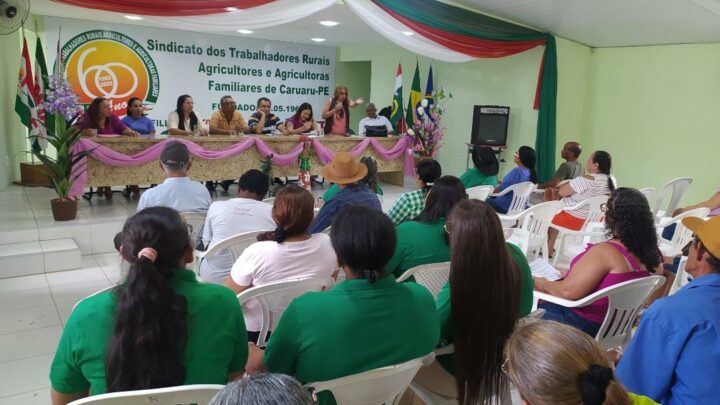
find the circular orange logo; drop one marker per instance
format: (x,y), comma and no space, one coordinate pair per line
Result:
(110,65)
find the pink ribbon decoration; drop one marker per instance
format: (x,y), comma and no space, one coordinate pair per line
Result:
(109,157)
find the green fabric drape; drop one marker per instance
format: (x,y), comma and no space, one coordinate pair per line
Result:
(459,21)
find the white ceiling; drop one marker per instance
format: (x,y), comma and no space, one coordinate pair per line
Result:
(609,23)
(351,30)
(597,23)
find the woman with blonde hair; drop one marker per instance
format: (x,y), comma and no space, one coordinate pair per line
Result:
(552,363)
(336,112)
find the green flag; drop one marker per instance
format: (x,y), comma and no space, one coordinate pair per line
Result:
(415,97)
(46,122)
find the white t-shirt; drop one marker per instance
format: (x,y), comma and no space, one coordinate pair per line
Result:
(374,122)
(586,188)
(271,262)
(179,193)
(174,121)
(229,218)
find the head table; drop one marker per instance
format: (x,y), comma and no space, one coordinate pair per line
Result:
(121,161)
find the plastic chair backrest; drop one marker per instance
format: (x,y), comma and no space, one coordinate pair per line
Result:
(199,394)
(432,276)
(326,231)
(233,245)
(269,200)
(676,188)
(383,385)
(196,222)
(595,213)
(536,221)
(274,298)
(648,192)
(624,303)
(683,235)
(681,278)
(480,192)
(521,195)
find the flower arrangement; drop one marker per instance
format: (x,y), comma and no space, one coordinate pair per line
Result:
(61,99)
(427,131)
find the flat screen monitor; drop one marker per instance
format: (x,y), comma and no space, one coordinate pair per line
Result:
(489,126)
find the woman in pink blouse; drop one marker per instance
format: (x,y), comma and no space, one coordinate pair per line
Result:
(99,120)
(336,112)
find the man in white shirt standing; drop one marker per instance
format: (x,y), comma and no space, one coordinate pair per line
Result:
(177,191)
(232,217)
(374,122)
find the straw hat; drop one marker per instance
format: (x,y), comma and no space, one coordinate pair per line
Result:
(344,169)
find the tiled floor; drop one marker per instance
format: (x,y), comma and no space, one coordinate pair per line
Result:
(33,309)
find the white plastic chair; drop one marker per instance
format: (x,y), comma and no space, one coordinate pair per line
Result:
(233,245)
(648,192)
(682,278)
(624,303)
(480,192)
(521,195)
(682,235)
(269,200)
(595,214)
(432,276)
(381,199)
(196,222)
(274,298)
(199,394)
(535,223)
(432,398)
(383,385)
(675,190)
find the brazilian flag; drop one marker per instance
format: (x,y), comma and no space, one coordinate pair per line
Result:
(415,97)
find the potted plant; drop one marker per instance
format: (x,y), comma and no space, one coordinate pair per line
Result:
(427,131)
(62,103)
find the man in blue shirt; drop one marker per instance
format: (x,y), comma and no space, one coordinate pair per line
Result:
(347,174)
(674,357)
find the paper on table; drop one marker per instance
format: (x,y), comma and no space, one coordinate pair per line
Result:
(541,268)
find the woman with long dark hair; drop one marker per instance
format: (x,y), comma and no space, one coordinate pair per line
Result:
(159,328)
(336,112)
(490,286)
(409,205)
(365,322)
(184,120)
(551,363)
(99,120)
(597,182)
(288,252)
(630,253)
(302,121)
(422,240)
(525,160)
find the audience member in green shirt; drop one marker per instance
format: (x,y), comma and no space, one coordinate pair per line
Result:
(485,171)
(365,322)
(159,328)
(569,169)
(423,240)
(370,179)
(553,363)
(485,295)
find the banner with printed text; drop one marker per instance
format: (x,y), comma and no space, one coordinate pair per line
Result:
(119,61)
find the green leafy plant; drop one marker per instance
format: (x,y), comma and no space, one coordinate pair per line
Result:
(60,168)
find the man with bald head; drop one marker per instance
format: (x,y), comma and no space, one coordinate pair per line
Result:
(569,169)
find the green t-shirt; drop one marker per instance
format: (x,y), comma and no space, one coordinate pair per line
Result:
(418,243)
(216,342)
(474,177)
(329,194)
(445,310)
(569,170)
(355,327)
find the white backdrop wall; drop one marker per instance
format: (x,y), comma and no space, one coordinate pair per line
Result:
(119,61)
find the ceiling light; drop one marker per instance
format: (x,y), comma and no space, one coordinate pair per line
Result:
(317,39)
(329,23)
(408,33)
(231,9)
(133,17)
(245,31)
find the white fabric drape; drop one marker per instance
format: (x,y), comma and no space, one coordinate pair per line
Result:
(268,15)
(392,29)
